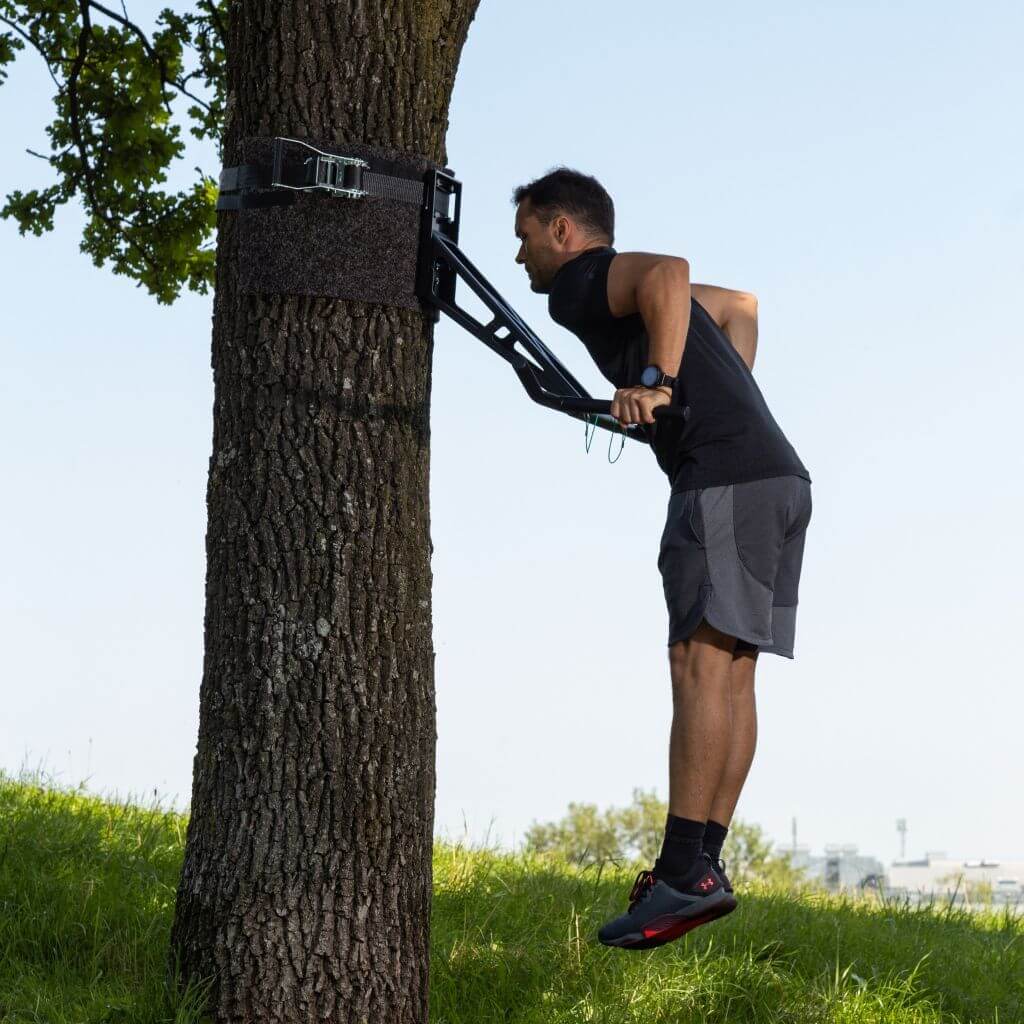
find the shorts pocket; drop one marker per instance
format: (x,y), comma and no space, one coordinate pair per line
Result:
(760,515)
(680,533)
(695,518)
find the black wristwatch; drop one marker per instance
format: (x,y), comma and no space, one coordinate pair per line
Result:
(652,377)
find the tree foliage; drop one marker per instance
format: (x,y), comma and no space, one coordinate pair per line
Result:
(634,833)
(114,134)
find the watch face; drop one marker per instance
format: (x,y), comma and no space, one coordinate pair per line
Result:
(650,376)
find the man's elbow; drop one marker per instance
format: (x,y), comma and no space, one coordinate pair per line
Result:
(742,310)
(741,326)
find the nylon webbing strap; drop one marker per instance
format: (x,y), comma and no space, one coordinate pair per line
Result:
(402,189)
(298,167)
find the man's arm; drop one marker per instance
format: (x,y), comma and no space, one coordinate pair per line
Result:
(736,313)
(658,288)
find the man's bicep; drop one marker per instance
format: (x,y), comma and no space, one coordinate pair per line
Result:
(627,270)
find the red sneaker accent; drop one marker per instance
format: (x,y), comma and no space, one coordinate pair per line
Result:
(673,931)
(706,883)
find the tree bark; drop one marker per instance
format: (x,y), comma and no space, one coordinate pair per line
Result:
(306,888)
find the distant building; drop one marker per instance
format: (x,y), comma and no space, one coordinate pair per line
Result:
(962,882)
(933,878)
(840,868)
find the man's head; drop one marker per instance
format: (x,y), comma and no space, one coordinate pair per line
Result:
(558,217)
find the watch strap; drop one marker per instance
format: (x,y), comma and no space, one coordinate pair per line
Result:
(663,378)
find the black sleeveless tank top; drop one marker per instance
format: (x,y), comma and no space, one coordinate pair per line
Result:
(730,436)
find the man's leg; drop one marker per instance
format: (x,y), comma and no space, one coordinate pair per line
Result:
(699,745)
(701,736)
(683,891)
(744,738)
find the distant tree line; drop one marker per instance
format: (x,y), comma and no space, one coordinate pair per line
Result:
(586,835)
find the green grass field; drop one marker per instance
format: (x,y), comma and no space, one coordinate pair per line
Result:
(87,892)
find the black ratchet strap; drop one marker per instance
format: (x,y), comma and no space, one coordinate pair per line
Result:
(312,170)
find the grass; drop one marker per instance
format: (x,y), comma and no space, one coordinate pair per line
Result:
(87,894)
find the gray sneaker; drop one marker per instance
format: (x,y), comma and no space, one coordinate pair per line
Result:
(659,913)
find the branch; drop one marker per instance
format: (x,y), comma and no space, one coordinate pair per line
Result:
(72,86)
(43,156)
(164,79)
(76,131)
(32,42)
(211,9)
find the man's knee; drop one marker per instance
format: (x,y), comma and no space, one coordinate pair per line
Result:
(708,652)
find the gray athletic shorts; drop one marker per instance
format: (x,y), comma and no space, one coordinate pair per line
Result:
(732,555)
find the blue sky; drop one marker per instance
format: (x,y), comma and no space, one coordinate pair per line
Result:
(855,166)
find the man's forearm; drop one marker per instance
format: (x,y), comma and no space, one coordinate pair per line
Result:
(663,300)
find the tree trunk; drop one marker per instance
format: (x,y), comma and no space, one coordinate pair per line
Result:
(306,887)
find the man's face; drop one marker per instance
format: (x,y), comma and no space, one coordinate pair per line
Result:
(540,249)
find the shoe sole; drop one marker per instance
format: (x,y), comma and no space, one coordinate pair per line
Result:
(670,926)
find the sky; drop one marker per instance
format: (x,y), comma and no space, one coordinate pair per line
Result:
(857,167)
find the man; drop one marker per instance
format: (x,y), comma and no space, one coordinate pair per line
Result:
(738,510)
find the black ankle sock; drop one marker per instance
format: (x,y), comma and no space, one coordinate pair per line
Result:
(681,847)
(714,837)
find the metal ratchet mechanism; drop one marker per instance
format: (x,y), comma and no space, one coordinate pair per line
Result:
(338,175)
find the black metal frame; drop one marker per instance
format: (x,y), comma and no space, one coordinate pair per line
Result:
(442,263)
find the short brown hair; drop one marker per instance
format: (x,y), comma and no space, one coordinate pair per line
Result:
(564,190)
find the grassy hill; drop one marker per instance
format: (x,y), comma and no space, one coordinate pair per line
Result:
(87,891)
